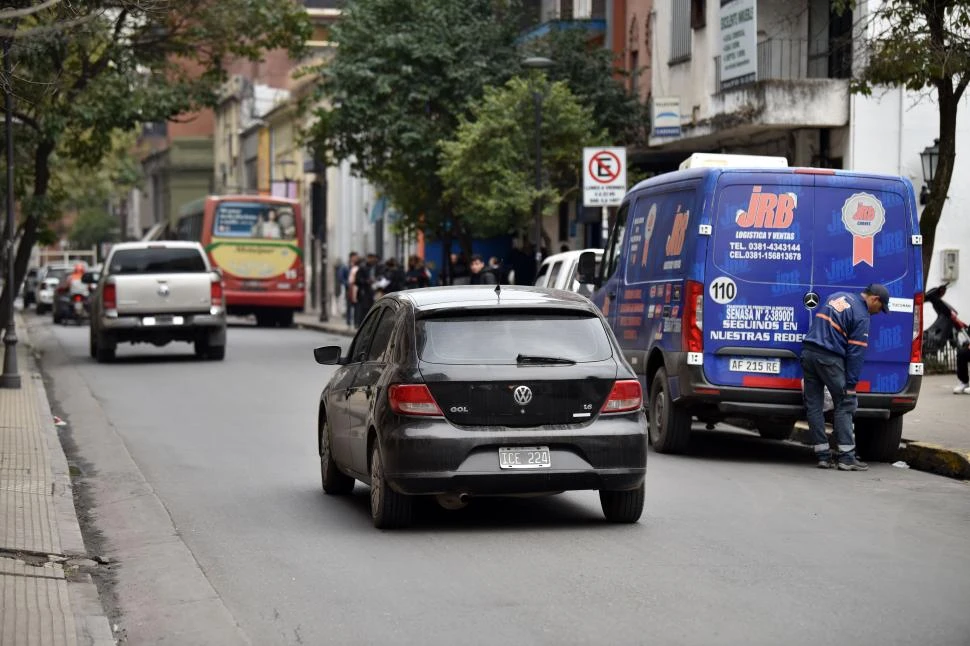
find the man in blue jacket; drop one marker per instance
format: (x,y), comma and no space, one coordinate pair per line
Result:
(833,352)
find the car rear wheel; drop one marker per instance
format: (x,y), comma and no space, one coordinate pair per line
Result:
(623,506)
(878,440)
(334,482)
(669,425)
(388,508)
(104,349)
(775,429)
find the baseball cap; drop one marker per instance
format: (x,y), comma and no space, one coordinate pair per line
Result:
(877,289)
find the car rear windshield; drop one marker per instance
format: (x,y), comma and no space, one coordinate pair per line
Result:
(164,260)
(500,338)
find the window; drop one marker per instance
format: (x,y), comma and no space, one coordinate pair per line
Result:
(554,274)
(382,335)
(680,34)
(579,337)
(698,14)
(615,245)
(358,349)
(157,260)
(254,220)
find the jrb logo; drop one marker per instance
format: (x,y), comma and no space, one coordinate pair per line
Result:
(768,210)
(678,233)
(863,216)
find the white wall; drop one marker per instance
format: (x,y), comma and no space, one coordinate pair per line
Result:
(887,133)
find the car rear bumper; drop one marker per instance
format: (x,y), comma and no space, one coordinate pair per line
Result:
(133,329)
(434,456)
(689,387)
(288,299)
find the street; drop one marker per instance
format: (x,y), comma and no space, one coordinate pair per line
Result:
(201,483)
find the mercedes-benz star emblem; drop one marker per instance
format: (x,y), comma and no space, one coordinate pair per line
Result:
(522,395)
(811,300)
(163,290)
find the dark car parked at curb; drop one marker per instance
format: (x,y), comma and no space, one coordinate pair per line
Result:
(458,392)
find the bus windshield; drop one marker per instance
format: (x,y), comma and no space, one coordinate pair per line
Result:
(254,220)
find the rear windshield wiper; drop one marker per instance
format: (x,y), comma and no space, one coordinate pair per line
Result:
(528,358)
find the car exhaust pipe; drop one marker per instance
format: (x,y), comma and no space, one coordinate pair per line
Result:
(453,501)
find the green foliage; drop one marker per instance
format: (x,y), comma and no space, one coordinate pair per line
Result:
(489,168)
(93,226)
(392,101)
(397,95)
(82,186)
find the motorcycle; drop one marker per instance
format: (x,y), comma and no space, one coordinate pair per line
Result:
(948,329)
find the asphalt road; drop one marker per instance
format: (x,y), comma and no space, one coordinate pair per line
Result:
(202,482)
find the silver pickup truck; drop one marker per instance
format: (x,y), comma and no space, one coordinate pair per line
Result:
(158,292)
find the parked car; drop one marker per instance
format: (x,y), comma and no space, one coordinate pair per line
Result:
(544,402)
(45,294)
(712,277)
(561,271)
(158,292)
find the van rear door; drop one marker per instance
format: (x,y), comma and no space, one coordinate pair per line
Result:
(758,272)
(863,235)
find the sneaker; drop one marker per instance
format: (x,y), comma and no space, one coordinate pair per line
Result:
(824,464)
(962,389)
(853,464)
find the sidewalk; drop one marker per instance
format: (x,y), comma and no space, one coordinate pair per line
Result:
(45,596)
(311,321)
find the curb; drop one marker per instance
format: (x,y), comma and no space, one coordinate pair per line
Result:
(922,456)
(92,624)
(329,328)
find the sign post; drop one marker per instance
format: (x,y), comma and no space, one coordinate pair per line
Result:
(604,181)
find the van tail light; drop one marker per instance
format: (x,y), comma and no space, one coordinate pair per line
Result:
(692,331)
(413,399)
(916,351)
(626,396)
(215,290)
(109,297)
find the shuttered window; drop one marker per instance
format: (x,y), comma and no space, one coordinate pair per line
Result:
(680,31)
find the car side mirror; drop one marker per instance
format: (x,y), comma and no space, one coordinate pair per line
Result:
(327,355)
(586,271)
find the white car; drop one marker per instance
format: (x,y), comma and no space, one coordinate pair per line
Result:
(560,271)
(45,294)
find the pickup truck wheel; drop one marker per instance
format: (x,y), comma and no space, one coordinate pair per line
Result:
(216,353)
(878,440)
(104,351)
(669,425)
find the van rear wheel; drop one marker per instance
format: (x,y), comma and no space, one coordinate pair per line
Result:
(878,440)
(669,425)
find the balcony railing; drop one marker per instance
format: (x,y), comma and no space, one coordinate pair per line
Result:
(789,59)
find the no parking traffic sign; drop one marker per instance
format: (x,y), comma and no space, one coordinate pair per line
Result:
(604,176)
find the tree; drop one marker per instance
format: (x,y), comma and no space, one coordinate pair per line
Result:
(85,71)
(92,227)
(392,101)
(393,98)
(489,168)
(921,45)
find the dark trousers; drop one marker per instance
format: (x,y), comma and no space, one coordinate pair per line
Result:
(963,365)
(827,370)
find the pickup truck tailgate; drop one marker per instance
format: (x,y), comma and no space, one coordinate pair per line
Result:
(163,293)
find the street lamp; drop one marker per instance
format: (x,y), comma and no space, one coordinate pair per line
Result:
(538,63)
(11,376)
(930,158)
(287,165)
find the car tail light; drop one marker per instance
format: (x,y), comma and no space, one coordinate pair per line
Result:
(916,350)
(693,326)
(109,296)
(215,291)
(413,399)
(625,396)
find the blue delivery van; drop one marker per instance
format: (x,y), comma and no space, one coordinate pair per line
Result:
(711,278)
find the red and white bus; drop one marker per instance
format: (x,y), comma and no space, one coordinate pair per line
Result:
(257,243)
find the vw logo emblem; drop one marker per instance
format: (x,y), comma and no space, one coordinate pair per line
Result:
(522,395)
(811,300)
(163,290)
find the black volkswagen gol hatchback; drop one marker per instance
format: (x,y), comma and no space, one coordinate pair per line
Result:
(459,392)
